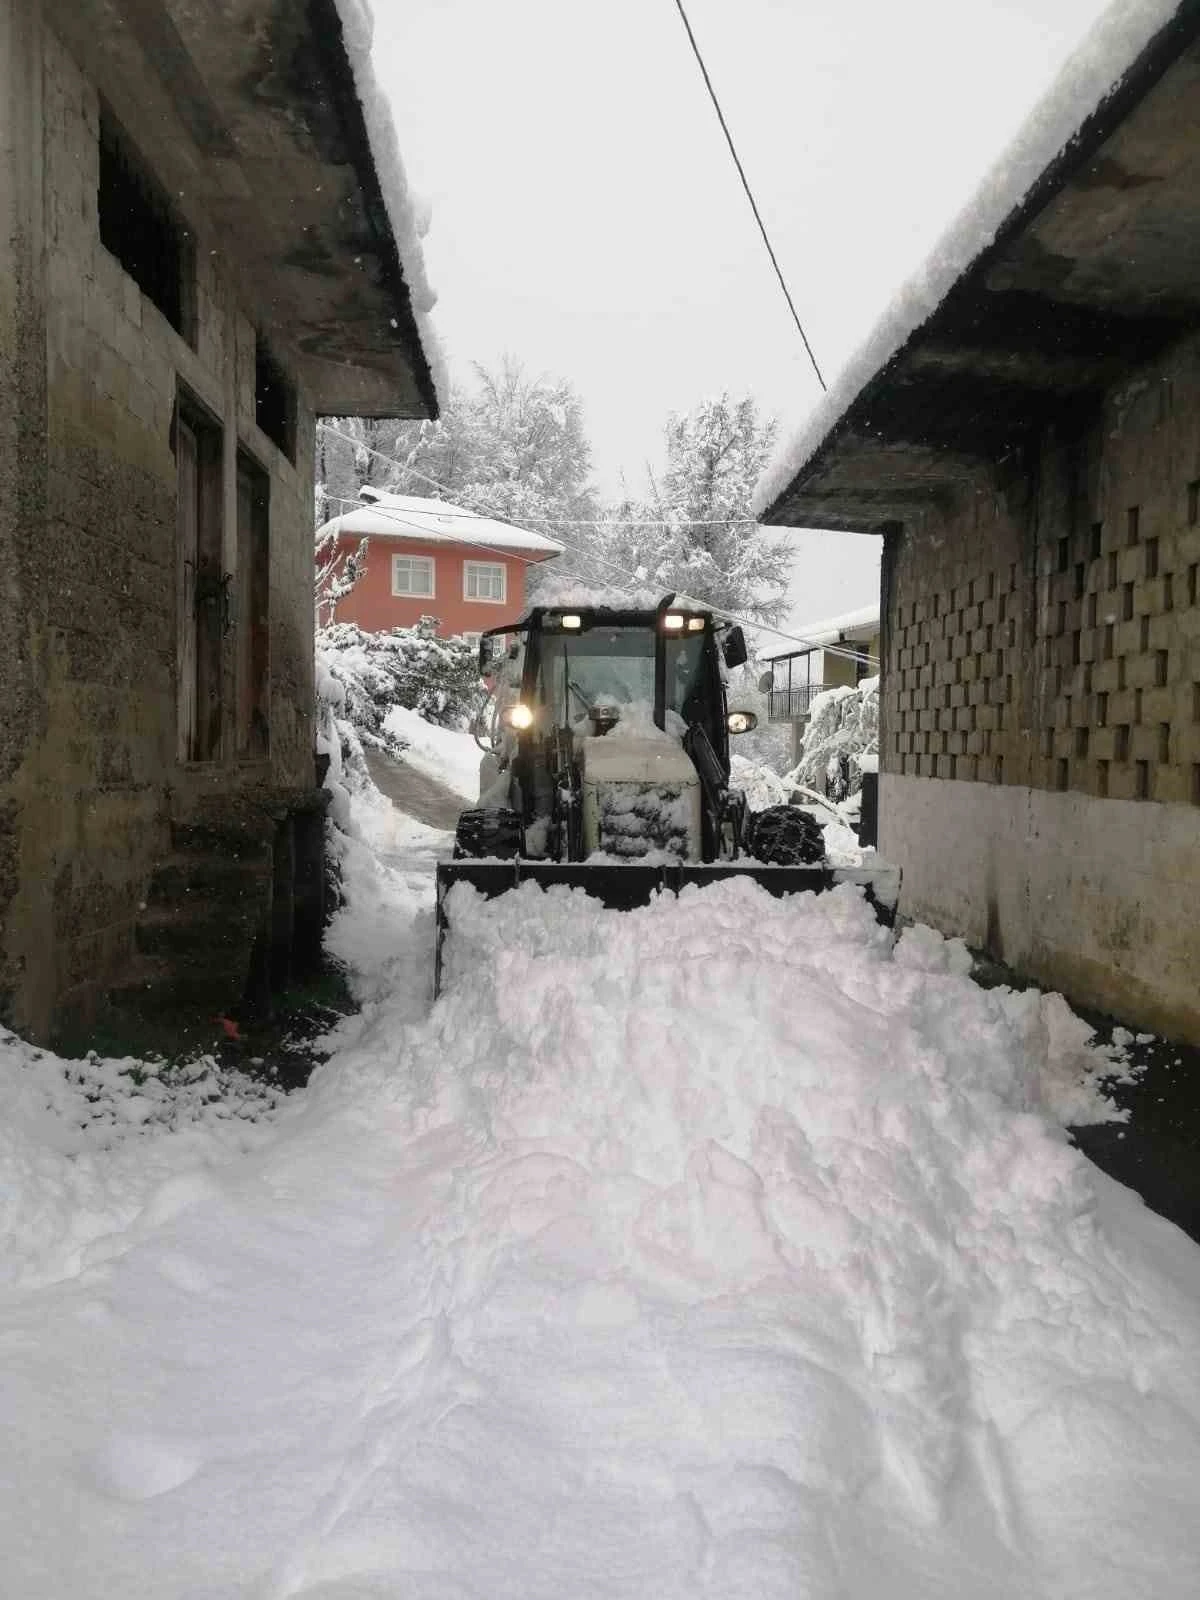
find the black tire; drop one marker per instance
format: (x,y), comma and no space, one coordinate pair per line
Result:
(784,836)
(489,831)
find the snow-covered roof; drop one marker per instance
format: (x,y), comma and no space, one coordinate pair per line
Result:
(856,626)
(408,216)
(405,516)
(1122,59)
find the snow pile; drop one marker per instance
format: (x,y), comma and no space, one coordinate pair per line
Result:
(450,755)
(761,786)
(409,219)
(83,1144)
(409,667)
(1092,73)
(717,1249)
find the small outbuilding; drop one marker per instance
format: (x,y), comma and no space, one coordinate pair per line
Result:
(420,558)
(1024,430)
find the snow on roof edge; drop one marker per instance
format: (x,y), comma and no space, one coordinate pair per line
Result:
(828,630)
(358,31)
(1086,79)
(398,516)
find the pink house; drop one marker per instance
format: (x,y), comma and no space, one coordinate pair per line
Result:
(429,558)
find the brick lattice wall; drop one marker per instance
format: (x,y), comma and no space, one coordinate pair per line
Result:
(1046,631)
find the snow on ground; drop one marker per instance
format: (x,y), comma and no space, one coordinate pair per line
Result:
(448,754)
(722,1248)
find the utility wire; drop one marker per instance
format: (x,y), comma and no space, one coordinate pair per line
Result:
(564,522)
(712,93)
(389,514)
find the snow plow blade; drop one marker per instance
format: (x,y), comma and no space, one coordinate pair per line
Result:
(622,888)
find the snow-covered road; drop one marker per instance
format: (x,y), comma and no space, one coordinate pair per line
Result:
(718,1249)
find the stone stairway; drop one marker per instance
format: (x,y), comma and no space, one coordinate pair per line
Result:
(234,912)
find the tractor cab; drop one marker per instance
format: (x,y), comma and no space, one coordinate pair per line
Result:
(610,731)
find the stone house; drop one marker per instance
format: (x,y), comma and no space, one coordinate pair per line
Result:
(1024,430)
(201,248)
(428,558)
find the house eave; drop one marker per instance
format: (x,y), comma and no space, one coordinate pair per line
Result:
(249,109)
(1089,278)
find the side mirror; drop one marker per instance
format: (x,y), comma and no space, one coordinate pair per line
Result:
(734,648)
(486,655)
(741,721)
(766,683)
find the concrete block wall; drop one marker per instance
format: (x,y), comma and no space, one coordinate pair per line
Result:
(92,780)
(1043,639)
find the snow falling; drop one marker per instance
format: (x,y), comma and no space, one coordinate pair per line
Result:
(578,1283)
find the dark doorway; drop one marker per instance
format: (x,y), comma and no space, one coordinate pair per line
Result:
(254,610)
(203,588)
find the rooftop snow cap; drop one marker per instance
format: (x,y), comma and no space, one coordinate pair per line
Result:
(855,626)
(406,516)
(1073,265)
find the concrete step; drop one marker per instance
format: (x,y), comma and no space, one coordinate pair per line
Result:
(203,931)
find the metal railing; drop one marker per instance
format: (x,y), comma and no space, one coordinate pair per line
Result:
(789,705)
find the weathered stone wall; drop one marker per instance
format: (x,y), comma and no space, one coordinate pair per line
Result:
(89,775)
(1043,639)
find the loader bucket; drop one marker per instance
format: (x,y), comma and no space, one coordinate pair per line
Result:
(621,888)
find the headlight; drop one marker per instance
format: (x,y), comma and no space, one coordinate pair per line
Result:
(695,624)
(572,621)
(673,622)
(518,716)
(741,721)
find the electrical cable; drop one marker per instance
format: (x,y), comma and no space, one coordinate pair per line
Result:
(565,522)
(626,577)
(762,228)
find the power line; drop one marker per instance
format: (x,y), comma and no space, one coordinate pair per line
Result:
(533,516)
(389,514)
(749,192)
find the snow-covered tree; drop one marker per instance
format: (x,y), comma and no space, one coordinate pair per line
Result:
(514,446)
(843,724)
(714,548)
(338,569)
(693,532)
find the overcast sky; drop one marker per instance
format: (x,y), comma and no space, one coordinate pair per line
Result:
(586,216)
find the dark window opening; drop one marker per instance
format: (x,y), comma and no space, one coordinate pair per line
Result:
(1102,779)
(139,226)
(1094,549)
(254,610)
(274,401)
(203,587)
(1142,780)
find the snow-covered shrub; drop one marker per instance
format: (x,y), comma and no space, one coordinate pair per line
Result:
(410,667)
(843,724)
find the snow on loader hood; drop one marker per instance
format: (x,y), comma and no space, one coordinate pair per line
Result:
(717,1249)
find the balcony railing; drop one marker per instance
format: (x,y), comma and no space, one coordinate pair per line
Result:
(789,705)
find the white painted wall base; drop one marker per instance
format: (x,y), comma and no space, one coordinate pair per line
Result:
(1097,898)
